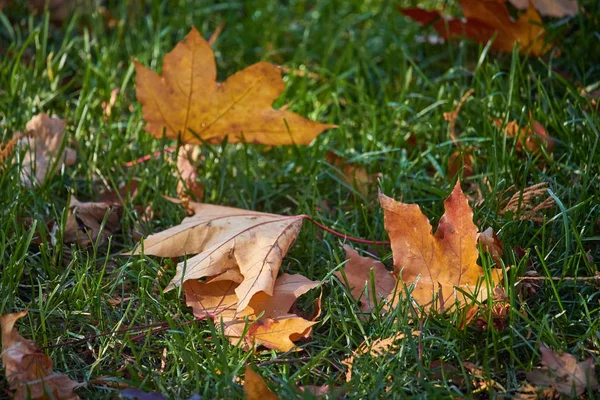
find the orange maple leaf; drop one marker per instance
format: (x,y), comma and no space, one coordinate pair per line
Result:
(28,370)
(436,264)
(188,103)
(482,20)
(255,387)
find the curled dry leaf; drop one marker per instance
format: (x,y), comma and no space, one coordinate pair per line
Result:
(227,238)
(84,222)
(564,373)
(255,387)
(482,20)
(43,145)
(28,370)
(266,321)
(528,204)
(357,272)
(437,264)
(188,104)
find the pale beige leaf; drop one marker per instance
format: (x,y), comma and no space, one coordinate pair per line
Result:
(227,238)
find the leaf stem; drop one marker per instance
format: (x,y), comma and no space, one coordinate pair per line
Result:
(343,235)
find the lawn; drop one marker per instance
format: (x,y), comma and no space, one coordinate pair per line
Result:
(367,68)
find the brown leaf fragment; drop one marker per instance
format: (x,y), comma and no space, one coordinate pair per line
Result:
(28,370)
(564,373)
(357,271)
(255,387)
(84,222)
(225,238)
(108,105)
(529,203)
(437,264)
(266,321)
(189,105)
(43,145)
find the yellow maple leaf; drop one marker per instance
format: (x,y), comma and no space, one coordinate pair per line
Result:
(186,101)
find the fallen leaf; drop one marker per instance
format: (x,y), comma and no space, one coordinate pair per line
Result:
(188,185)
(43,144)
(28,370)
(564,373)
(550,8)
(84,222)
(357,271)
(266,321)
(187,103)
(255,387)
(352,174)
(375,348)
(530,138)
(226,238)
(525,205)
(482,20)
(490,243)
(436,264)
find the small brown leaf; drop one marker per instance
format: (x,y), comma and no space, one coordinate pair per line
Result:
(28,370)
(358,274)
(255,387)
(188,173)
(43,145)
(564,373)
(353,175)
(85,219)
(491,244)
(530,138)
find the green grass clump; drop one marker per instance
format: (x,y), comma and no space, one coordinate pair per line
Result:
(384,87)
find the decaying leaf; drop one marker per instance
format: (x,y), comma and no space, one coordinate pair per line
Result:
(357,272)
(375,348)
(352,174)
(529,203)
(550,8)
(188,104)
(482,20)
(255,387)
(437,264)
(226,238)
(84,222)
(564,373)
(531,138)
(266,321)
(28,370)
(43,145)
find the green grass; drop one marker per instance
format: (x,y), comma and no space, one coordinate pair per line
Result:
(380,85)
